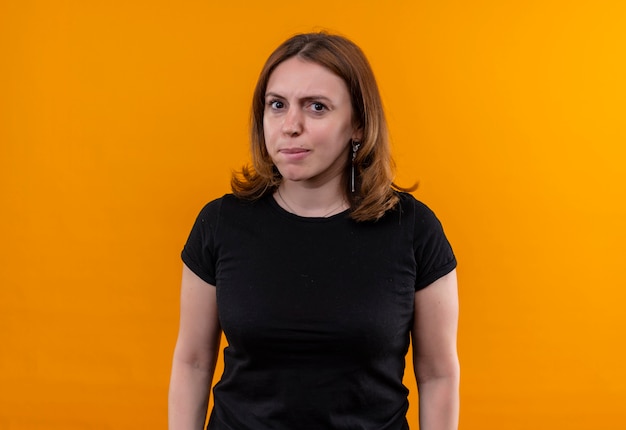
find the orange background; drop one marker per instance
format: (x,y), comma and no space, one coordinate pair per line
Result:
(120,119)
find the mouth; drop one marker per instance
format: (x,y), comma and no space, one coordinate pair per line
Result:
(293,150)
(294,154)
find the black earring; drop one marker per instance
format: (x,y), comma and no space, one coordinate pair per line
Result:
(355,147)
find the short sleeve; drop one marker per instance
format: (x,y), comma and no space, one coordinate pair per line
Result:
(433,254)
(199,251)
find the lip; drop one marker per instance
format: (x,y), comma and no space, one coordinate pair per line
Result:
(292,150)
(294,153)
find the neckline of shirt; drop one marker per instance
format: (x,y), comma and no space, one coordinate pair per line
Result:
(285,213)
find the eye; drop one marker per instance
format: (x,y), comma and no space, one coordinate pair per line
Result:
(276,104)
(318,107)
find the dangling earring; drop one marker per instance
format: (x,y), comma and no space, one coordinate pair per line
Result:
(355,147)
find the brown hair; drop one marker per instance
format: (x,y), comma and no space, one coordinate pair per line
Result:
(374,166)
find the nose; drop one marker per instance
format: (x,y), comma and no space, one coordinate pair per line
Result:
(292,124)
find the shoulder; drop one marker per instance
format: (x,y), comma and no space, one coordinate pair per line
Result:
(409,205)
(433,253)
(211,212)
(231,210)
(227,202)
(425,225)
(211,217)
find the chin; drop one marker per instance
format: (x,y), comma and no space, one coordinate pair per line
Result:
(294,176)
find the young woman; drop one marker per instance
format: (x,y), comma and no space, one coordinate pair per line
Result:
(318,269)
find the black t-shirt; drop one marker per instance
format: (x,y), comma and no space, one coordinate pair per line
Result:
(317,311)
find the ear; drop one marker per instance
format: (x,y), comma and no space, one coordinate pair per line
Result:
(357,135)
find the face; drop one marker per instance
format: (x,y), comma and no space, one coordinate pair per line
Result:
(307,122)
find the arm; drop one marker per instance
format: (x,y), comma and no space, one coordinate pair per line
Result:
(435,358)
(195,354)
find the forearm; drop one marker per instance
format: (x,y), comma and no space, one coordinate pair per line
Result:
(439,403)
(188,396)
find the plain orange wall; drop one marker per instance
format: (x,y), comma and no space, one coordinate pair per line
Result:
(120,119)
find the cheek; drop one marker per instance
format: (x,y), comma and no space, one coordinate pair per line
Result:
(269,130)
(268,139)
(266,135)
(339,135)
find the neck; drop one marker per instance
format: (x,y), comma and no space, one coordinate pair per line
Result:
(305,201)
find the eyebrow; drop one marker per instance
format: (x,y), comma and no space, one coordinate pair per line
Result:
(306,98)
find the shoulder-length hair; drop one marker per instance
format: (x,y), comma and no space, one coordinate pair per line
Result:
(374,167)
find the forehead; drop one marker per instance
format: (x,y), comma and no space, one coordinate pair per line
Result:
(299,76)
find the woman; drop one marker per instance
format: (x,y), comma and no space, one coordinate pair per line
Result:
(318,269)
